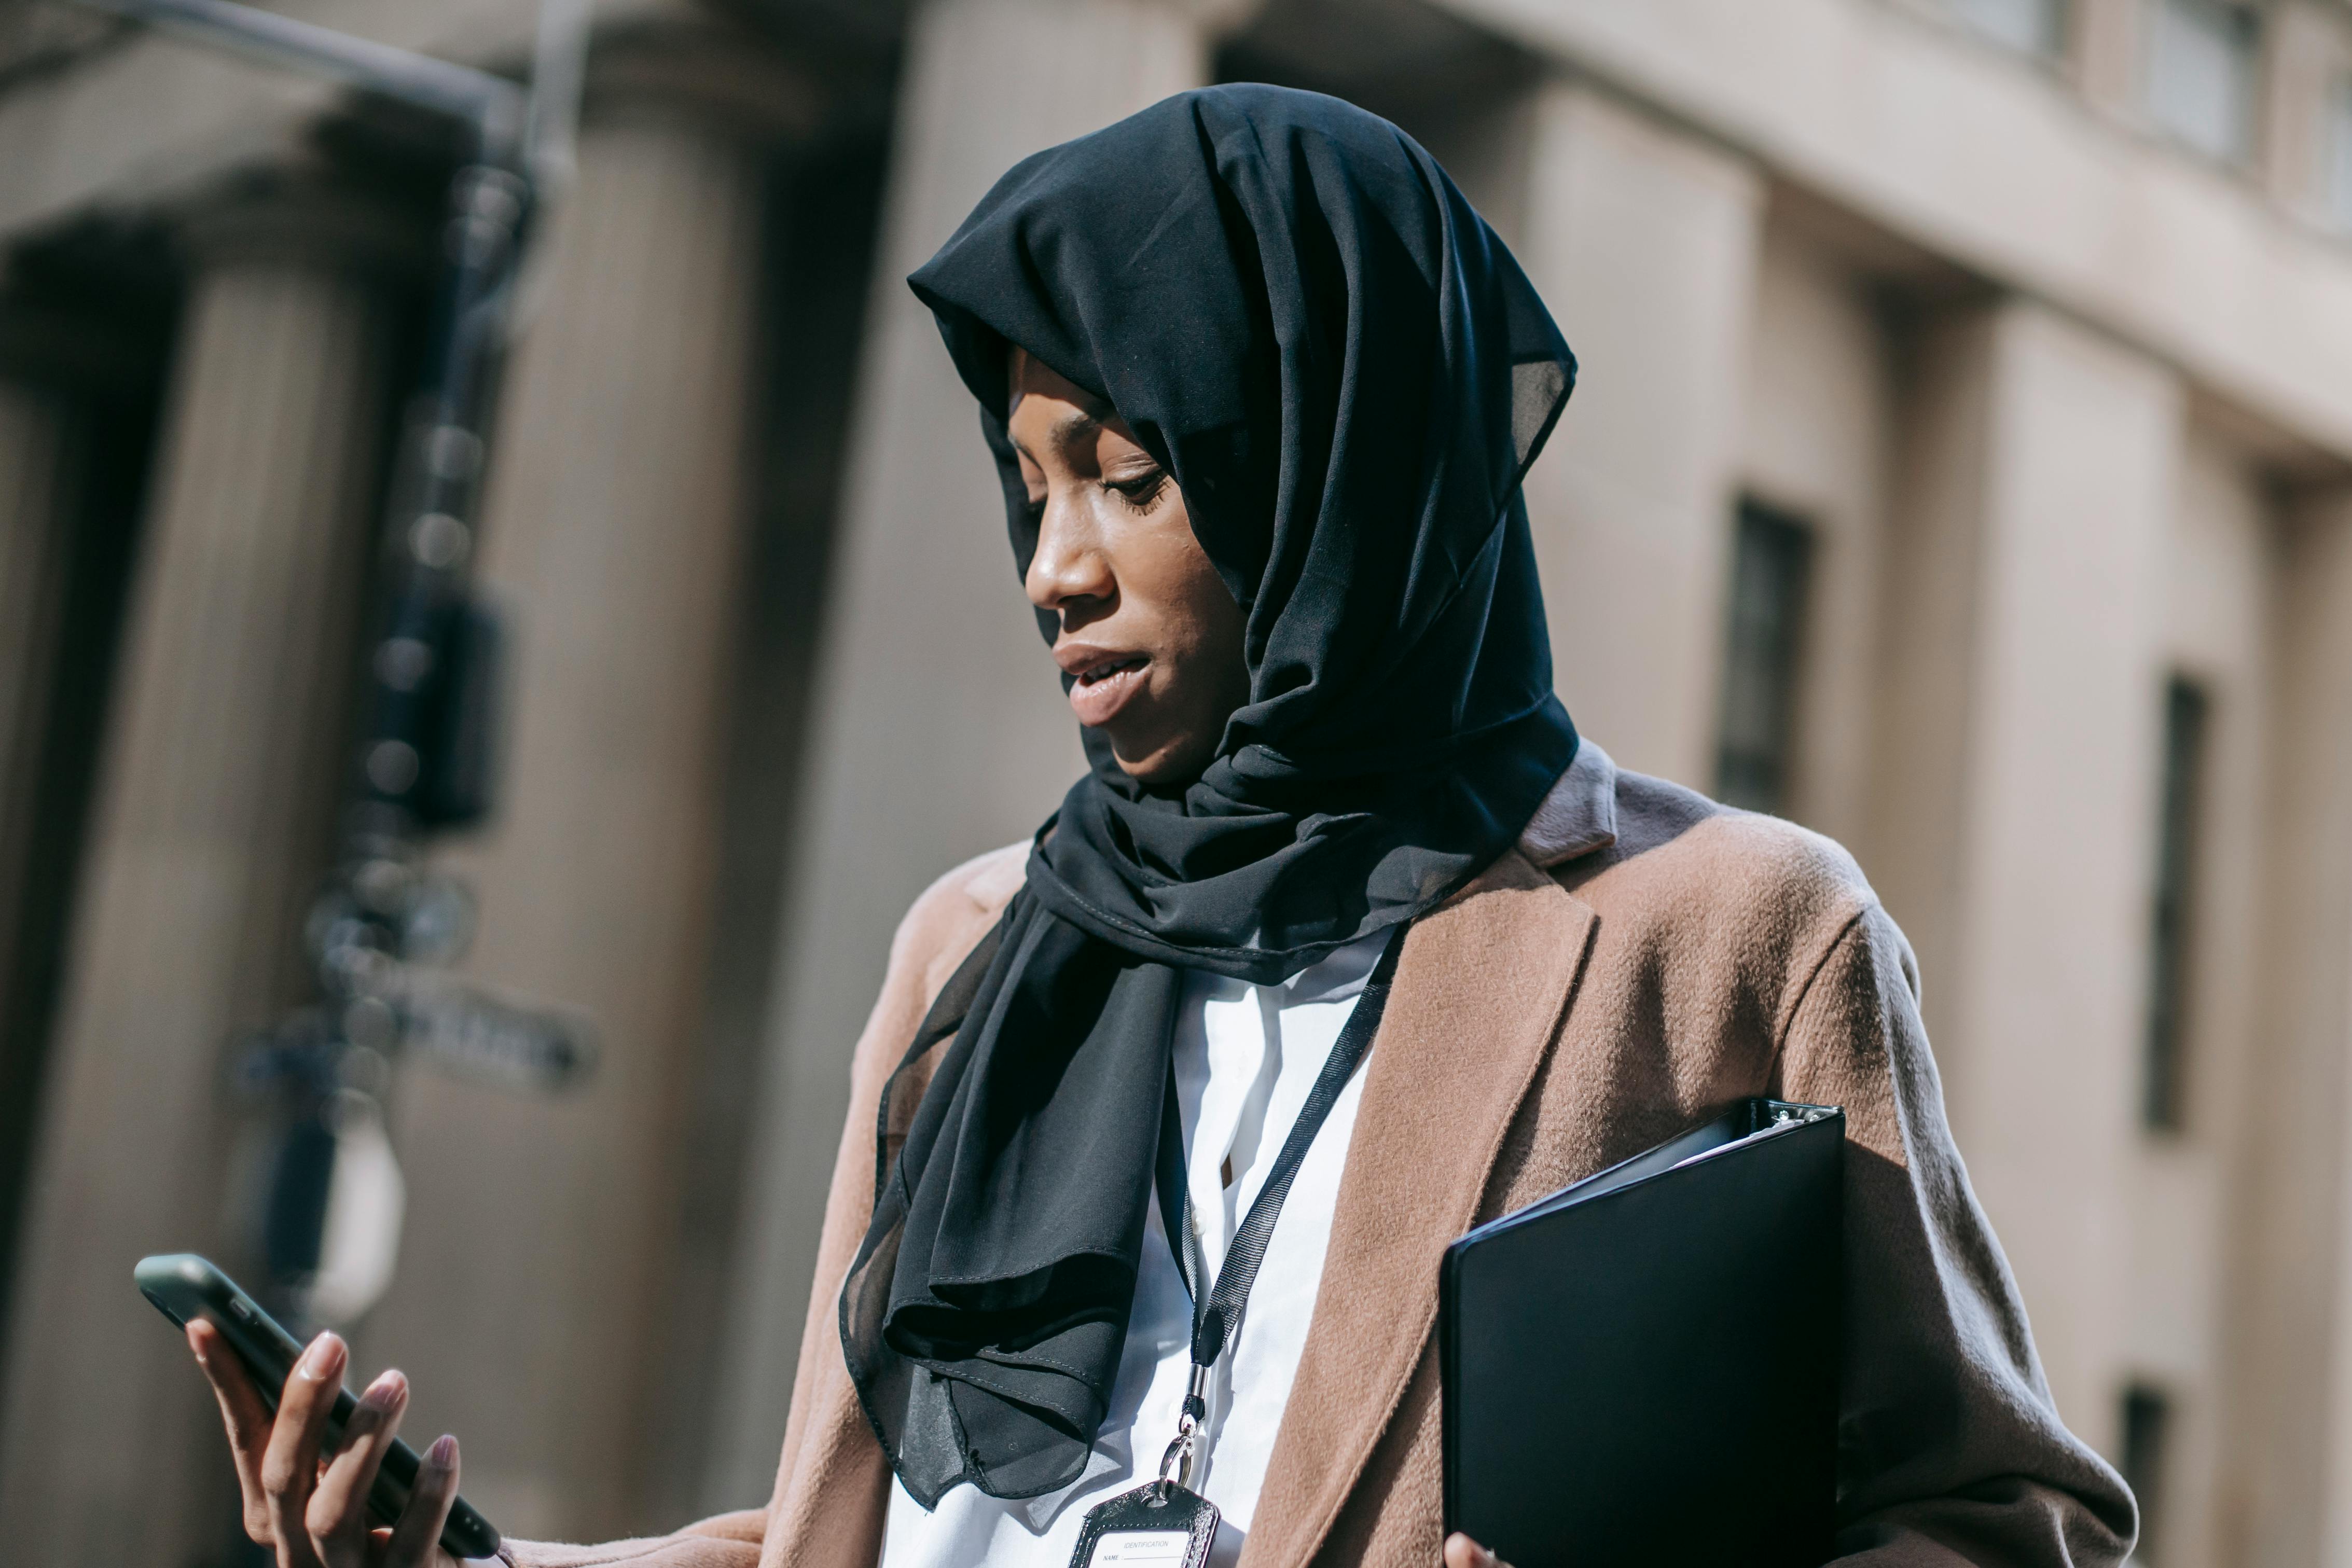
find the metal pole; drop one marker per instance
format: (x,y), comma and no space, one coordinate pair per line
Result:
(423,753)
(461,92)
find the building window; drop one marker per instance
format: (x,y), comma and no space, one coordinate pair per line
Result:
(2029,26)
(1771,559)
(2148,1415)
(2201,73)
(2338,152)
(2164,1087)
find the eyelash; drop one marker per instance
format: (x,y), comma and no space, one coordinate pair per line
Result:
(1142,491)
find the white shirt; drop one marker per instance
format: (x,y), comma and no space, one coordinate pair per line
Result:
(1245,1057)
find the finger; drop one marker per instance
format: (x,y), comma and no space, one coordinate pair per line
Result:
(242,1413)
(1461,1552)
(289,1465)
(337,1517)
(416,1537)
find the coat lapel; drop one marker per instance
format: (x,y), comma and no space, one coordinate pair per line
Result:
(1479,992)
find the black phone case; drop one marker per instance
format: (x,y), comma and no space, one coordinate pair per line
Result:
(182,1285)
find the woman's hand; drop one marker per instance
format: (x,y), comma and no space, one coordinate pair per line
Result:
(308,1506)
(1461,1552)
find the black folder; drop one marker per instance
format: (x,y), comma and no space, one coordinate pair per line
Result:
(1641,1368)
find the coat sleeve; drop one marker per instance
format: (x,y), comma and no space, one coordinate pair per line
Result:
(832,1481)
(1950,1448)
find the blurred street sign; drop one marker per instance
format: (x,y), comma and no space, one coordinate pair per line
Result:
(476,1033)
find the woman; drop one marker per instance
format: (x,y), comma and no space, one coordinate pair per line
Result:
(1262,389)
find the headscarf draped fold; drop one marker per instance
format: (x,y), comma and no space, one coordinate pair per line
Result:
(1347,375)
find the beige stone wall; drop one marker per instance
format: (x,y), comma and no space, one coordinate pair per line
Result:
(1817,419)
(1998,165)
(1644,240)
(2037,694)
(2282,1487)
(2221,598)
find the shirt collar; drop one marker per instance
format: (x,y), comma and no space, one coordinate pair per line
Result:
(1579,815)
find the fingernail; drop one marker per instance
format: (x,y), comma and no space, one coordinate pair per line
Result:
(386,1391)
(443,1454)
(322,1360)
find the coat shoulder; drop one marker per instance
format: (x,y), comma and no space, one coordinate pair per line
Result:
(1743,853)
(1719,887)
(982,885)
(941,925)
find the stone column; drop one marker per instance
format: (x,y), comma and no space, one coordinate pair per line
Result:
(939,730)
(36,424)
(2286,1481)
(37,429)
(535,1273)
(214,824)
(2014,824)
(1643,240)
(75,423)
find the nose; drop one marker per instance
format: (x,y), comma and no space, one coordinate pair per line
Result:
(1070,572)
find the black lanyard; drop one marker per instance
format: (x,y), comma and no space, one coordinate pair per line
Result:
(1218,1315)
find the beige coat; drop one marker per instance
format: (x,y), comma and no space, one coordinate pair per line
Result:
(1643,955)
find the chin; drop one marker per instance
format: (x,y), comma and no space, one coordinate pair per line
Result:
(1149,770)
(1162,766)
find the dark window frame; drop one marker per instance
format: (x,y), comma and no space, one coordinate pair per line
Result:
(2144,1439)
(2056,26)
(2247,86)
(1767,600)
(2184,758)
(2336,149)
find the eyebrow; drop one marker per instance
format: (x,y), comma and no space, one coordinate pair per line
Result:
(1069,430)
(1093,413)
(1073,430)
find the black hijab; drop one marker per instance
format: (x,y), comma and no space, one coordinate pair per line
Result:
(1348,375)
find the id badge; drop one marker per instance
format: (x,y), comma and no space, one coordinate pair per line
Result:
(1157,1525)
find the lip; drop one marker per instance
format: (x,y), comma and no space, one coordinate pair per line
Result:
(1107,679)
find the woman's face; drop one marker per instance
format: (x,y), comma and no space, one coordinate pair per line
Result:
(1146,625)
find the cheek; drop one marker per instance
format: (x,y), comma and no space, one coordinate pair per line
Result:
(1211,625)
(1173,575)
(1209,619)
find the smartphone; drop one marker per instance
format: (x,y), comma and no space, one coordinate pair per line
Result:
(184,1286)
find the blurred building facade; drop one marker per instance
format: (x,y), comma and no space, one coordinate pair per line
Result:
(1961,465)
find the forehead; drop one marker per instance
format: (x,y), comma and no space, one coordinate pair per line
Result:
(1029,376)
(1049,416)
